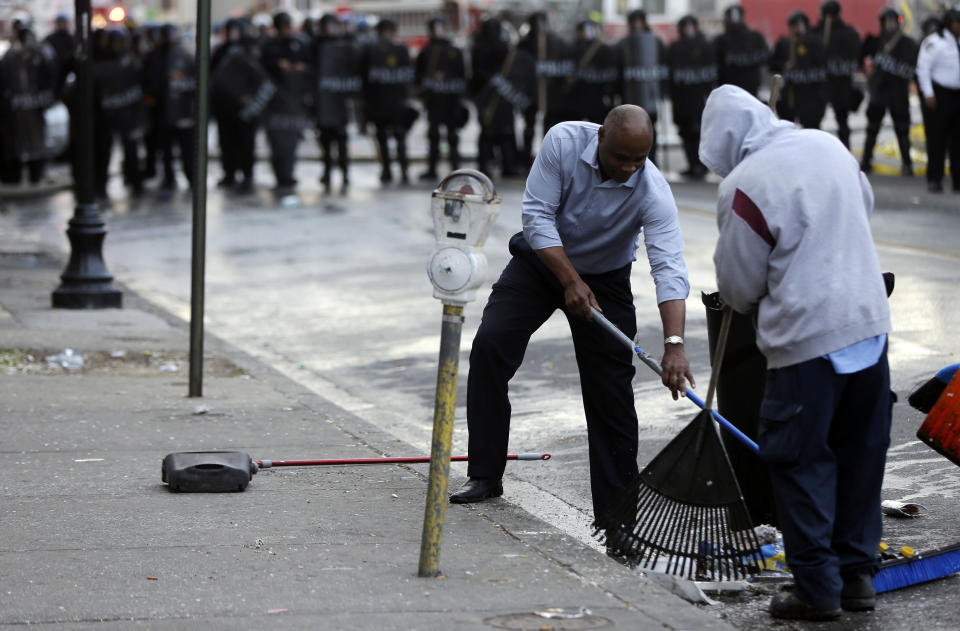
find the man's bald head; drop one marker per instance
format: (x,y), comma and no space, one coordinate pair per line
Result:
(629,118)
(624,141)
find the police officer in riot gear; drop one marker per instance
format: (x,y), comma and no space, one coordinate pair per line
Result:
(240,90)
(553,65)
(591,87)
(801,59)
(442,80)
(170,82)
(643,68)
(118,99)
(742,53)
(388,77)
(693,73)
(894,58)
(842,46)
(500,88)
(338,83)
(286,58)
(27,80)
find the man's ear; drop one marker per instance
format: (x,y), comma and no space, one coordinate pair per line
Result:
(600,134)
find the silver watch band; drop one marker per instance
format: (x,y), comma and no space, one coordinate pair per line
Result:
(673,339)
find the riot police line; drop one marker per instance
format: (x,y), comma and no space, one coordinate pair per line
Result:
(327,74)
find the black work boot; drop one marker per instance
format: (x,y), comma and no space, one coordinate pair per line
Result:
(858,592)
(788,606)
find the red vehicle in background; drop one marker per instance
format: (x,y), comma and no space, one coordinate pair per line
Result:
(770,16)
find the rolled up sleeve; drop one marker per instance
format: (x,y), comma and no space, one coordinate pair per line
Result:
(664,245)
(541,197)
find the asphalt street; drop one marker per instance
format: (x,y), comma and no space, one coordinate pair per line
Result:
(334,294)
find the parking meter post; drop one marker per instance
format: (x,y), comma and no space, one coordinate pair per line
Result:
(444,406)
(464,206)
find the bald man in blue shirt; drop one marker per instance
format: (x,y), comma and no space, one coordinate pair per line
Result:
(589,195)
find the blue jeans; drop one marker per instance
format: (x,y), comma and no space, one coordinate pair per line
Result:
(825,438)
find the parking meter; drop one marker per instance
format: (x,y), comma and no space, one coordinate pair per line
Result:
(464,206)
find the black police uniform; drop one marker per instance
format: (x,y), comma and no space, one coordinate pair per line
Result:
(442,79)
(693,73)
(288,113)
(170,82)
(642,61)
(118,98)
(894,62)
(742,54)
(554,63)
(803,63)
(388,78)
(63,46)
(241,90)
(339,84)
(500,87)
(27,80)
(591,87)
(842,46)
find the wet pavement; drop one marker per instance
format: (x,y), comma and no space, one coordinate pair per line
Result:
(334,295)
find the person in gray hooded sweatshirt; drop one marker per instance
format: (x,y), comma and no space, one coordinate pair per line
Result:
(795,250)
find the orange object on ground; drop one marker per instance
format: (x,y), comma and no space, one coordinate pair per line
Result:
(941,428)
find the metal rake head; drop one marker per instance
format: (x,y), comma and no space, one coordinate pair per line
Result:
(686,514)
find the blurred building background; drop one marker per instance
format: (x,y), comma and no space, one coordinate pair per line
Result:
(767,16)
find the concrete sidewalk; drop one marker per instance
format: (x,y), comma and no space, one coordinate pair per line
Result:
(92,539)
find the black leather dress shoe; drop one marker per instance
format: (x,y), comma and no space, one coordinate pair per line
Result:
(788,606)
(858,592)
(477,490)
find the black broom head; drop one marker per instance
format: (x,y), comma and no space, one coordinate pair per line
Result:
(686,514)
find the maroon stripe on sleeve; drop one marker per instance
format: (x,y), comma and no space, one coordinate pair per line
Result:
(748,211)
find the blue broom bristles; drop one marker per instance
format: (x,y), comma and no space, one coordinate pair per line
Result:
(921,568)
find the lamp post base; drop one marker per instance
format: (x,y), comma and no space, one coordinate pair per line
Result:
(86,283)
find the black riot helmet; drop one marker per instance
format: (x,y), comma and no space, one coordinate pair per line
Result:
(688,24)
(798,17)
(734,14)
(637,17)
(830,8)
(889,17)
(538,22)
(282,21)
(386,28)
(436,26)
(491,30)
(586,30)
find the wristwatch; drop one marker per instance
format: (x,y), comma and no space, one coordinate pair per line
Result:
(673,339)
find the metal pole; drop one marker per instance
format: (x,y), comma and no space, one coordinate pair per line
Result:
(436,509)
(86,283)
(198,256)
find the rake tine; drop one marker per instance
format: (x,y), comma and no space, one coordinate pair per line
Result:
(664,532)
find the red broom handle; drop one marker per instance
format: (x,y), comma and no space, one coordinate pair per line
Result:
(267,464)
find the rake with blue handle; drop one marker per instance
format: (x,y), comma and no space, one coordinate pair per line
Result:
(655,366)
(685,514)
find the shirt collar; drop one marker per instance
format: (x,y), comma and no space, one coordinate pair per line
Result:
(589,156)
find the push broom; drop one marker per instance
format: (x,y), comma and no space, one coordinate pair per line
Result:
(686,514)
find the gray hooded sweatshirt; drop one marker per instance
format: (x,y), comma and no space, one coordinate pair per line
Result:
(795,243)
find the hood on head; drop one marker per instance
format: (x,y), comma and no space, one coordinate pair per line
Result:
(735,124)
